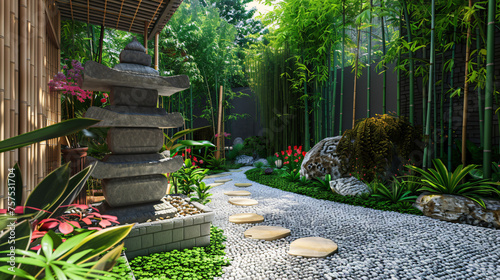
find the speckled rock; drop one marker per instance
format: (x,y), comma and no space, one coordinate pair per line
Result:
(349,186)
(322,159)
(244,159)
(459,209)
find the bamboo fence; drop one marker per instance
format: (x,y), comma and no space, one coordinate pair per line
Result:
(29,48)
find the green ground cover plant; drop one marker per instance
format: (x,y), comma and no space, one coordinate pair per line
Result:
(197,263)
(277,181)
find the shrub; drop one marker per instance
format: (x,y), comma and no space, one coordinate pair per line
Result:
(232,154)
(276,181)
(255,145)
(396,193)
(367,149)
(196,263)
(258,164)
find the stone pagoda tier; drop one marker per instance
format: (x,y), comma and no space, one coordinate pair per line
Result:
(133,184)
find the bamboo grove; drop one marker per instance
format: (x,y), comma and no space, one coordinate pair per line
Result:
(442,54)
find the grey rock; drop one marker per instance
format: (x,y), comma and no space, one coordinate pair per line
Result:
(134,190)
(134,140)
(136,69)
(322,159)
(135,158)
(135,57)
(268,171)
(349,186)
(244,159)
(128,96)
(263,160)
(238,140)
(454,208)
(139,213)
(101,78)
(125,116)
(135,45)
(124,168)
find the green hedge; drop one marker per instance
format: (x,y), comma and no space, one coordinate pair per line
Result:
(189,264)
(276,181)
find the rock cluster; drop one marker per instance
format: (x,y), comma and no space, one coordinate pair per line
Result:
(244,159)
(184,208)
(322,159)
(349,186)
(459,209)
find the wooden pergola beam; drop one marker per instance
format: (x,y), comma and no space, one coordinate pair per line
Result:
(161,18)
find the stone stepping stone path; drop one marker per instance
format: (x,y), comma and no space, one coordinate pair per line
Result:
(215,184)
(267,233)
(239,201)
(238,193)
(216,176)
(222,181)
(246,218)
(239,170)
(312,247)
(243,184)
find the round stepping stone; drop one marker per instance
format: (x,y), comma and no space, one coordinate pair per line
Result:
(243,201)
(267,233)
(238,170)
(312,247)
(215,176)
(215,184)
(246,218)
(243,184)
(238,193)
(223,180)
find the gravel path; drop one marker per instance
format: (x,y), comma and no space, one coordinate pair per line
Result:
(372,244)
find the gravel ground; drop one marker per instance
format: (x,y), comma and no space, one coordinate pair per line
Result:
(372,244)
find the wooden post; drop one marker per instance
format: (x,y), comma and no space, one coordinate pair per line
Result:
(219,126)
(146,25)
(101,40)
(157,54)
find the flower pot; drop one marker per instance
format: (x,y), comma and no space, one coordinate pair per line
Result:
(76,157)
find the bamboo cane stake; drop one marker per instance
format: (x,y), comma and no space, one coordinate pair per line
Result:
(23,89)
(488,100)
(157,54)
(146,26)
(217,153)
(3,124)
(466,93)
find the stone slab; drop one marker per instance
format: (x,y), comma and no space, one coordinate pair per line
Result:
(129,96)
(215,176)
(134,190)
(242,184)
(312,247)
(134,140)
(239,201)
(223,181)
(238,193)
(267,233)
(215,184)
(108,170)
(98,77)
(139,213)
(246,218)
(133,117)
(137,57)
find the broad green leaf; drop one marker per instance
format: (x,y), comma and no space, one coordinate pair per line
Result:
(50,189)
(53,131)
(107,262)
(75,185)
(18,272)
(16,181)
(22,234)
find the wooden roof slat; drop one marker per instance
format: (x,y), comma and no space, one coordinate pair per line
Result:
(138,5)
(164,17)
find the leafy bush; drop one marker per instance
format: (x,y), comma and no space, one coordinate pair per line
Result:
(232,154)
(187,176)
(202,194)
(258,164)
(368,148)
(255,145)
(196,263)
(397,192)
(276,181)
(439,180)
(323,183)
(292,176)
(477,173)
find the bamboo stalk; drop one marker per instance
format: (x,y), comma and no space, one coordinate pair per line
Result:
(398,73)
(355,81)
(334,98)
(157,54)
(7,79)
(306,117)
(488,100)
(369,69)
(3,124)
(41,32)
(479,91)
(23,89)
(219,126)
(426,159)
(466,92)
(450,102)
(341,105)
(384,77)
(441,110)
(411,73)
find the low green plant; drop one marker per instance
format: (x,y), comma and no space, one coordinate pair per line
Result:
(292,176)
(303,180)
(185,178)
(258,164)
(477,173)
(232,154)
(439,180)
(254,146)
(271,161)
(196,263)
(279,182)
(323,183)
(216,164)
(202,195)
(122,269)
(396,193)
(173,147)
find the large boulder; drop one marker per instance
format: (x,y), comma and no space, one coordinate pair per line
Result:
(322,159)
(459,209)
(349,186)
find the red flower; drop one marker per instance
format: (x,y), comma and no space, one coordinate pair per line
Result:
(195,159)
(286,157)
(182,154)
(304,153)
(289,147)
(296,160)
(103,100)
(295,154)
(277,155)
(282,152)
(295,147)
